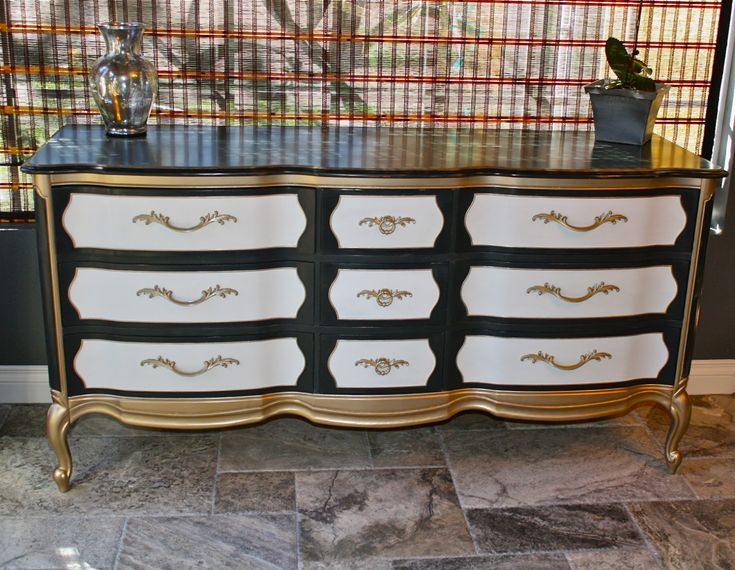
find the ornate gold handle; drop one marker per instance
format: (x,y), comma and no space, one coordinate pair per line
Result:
(606,218)
(548,359)
(208,365)
(207,294)
(387,224)
(156,218)
(381,365)
(601,287)
(384,297)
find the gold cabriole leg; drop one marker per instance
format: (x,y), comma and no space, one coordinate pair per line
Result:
(681,412)
(57,427)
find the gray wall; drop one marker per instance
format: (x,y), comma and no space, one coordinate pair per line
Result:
(21,325)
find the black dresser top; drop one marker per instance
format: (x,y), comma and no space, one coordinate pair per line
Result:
(395,152)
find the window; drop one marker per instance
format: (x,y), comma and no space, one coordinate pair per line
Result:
(517,64)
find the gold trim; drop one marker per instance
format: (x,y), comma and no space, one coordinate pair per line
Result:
(387,224)
(381,365)
(384,297)
(385,411)
(607,217)
(550,360)
(601,287)
(57,429)
(165,221)
(208,365)
(326,181)
(207,294)
(681,412)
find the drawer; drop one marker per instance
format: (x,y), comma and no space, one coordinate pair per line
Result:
(179,367)
(367,364)
(548,222)
(188,296)
(486,359)
(386,222)
(569,293)
(190,223)
(380,294)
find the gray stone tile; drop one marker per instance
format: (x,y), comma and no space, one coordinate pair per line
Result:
(218,541)
(557,527)
(4,411)
(711,432)
(690,534)
(25,420)
(390,513)
(559,465)
(472,421)
(111,476)
(710,478)
(59,542)
(541,561)
(259,492)
(406,448)
(615,559)
(364,564)
(285,444)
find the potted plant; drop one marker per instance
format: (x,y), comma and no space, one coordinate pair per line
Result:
(625,109)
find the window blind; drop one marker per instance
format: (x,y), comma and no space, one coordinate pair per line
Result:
(484,64)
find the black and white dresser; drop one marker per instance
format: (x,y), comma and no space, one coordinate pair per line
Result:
(207,277)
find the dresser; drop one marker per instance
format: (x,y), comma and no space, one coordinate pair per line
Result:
(204,277)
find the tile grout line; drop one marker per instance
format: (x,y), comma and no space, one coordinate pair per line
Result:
(116,562)
(216,473)
(445,454)
(646,540)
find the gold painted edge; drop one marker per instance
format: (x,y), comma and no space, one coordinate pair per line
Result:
(349,182)
(380,411)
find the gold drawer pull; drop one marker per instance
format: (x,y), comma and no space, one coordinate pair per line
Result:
(548,359)
(381,365)
(553,216)
(601,287)
(387,224)
(165,221)
(384,297)
(207,294)
(208,365)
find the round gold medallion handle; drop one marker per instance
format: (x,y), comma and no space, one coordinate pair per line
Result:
(158,218)
(387,224)
(561,219)
(550,360)
(381,365)
(167,294)
(208,365)
(384,297)
(601,287)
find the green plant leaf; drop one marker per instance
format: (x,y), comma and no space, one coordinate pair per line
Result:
(630,71)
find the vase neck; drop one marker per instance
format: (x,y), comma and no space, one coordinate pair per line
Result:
(123,37)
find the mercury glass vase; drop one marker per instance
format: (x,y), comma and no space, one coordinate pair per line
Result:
(123,82)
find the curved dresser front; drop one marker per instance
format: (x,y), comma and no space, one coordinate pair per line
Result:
(208,299)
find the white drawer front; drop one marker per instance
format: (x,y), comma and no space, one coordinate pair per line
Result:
(386,222)
(527,221)
(495,360)
(374,294)
(187,297)
(211,223)
(257,364)
(566,293)
(381,363)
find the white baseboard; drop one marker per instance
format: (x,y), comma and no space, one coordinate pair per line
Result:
(24,385)
(29,384)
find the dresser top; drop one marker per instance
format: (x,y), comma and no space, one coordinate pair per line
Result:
(395,152)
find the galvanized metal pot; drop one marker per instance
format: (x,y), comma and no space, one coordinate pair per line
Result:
(123,82)
(624,115)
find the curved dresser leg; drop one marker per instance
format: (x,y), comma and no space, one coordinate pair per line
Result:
(681,412)
(57,427)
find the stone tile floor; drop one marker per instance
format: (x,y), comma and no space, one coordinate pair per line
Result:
(472,493)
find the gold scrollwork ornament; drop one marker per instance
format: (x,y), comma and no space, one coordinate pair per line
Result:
(208,365)
(387,224)
(601,287)
(384,297)
(606,218)
(156,218)
(551,360)
(167,294)
(381,365)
